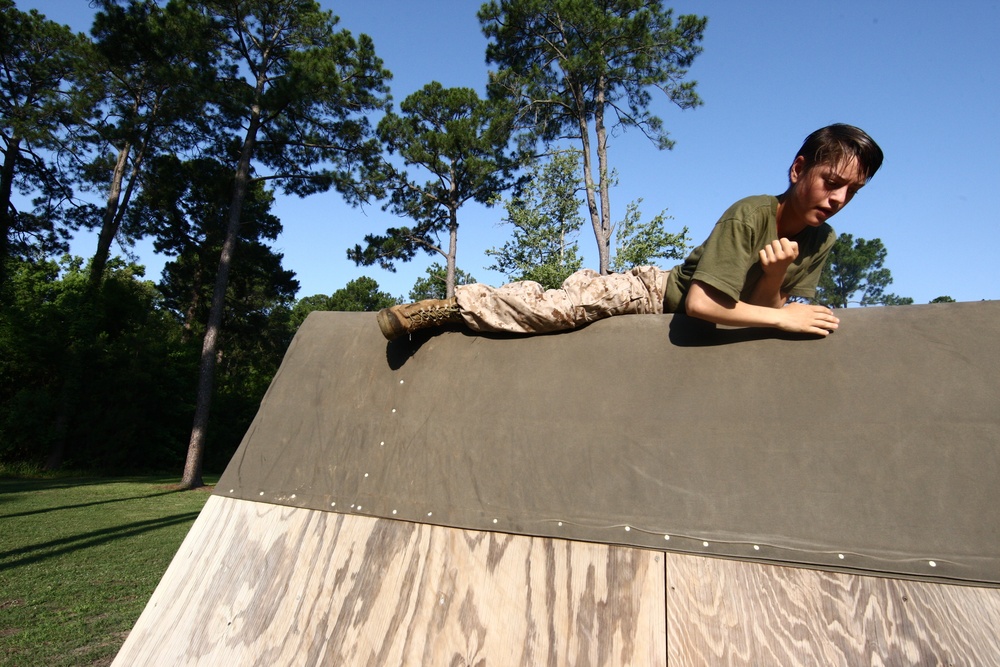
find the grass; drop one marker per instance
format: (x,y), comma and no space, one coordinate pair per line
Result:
(79,559)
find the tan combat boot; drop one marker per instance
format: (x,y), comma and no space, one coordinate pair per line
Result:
(409,317)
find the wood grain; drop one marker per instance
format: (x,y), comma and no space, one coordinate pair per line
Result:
(258,584)
(269,585)
(723,612)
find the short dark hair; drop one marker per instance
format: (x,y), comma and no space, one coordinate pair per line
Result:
(833,143)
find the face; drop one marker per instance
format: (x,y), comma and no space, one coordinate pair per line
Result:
(818,193)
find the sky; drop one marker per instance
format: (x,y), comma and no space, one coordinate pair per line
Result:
(921,77)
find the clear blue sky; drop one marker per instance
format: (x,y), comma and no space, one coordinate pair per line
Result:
(923,78)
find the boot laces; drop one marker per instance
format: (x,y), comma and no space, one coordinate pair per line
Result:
(434,315)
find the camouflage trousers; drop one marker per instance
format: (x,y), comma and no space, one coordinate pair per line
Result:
(585,296)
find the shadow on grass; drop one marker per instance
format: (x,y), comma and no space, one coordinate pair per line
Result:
(25,484)
(46,510)
(40,552)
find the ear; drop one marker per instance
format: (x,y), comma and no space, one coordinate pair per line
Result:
(797,170)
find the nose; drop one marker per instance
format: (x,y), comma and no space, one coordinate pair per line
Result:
(839,196)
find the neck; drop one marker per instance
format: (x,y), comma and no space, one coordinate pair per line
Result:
(789,222)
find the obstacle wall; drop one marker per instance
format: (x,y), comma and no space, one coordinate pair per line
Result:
(644,489)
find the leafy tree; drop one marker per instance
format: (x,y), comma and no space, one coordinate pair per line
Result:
(856,266)
(943,299)
(461,141)
(298,103)
(895,300)
(433,285)
(39,67)
(155,67)
(639,243)
(184,205)
(577,68)
(361,295)
(545,214)
(57,379)
(306,305)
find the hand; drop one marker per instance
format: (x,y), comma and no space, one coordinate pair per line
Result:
(777,255)
(806,318)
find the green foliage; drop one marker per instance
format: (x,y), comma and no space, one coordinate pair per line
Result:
(545,215)
(461,142)
(359,295)
(306,305)
(40,64)
(96,376)
(572,69)
(296,102)
(433,285)
(154,71)
(569,61)
(895,300)
(856,266)
(943,299)
(306,88)
(639,243)
(185,207)
(104,375)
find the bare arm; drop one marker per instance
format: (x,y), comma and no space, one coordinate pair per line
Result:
(774,261)
(708,303)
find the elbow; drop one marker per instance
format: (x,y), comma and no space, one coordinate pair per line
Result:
(691,306)
(698,302)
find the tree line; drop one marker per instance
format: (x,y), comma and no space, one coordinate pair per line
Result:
(181,121)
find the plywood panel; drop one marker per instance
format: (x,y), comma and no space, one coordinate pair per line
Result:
(259,584)
(723,612)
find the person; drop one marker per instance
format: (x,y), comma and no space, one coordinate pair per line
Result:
(762,251)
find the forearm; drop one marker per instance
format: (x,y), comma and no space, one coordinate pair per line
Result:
(707,303)
(767,292)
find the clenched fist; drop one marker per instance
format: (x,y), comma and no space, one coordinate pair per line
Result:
(777,255)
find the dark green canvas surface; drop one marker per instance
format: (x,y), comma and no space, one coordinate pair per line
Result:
(876,449)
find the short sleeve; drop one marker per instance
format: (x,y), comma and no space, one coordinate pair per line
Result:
(727,255)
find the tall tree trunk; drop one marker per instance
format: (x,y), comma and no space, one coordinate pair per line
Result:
(118,201)
(109,224)
(192,477)
(452,254)
(589,186)
(449,276)
(6,213)
(604,238)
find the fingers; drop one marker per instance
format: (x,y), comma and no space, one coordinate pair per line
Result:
(788,248)
(805,318)
(779,251)
(824,321)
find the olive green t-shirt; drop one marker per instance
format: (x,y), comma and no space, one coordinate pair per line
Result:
(729,259)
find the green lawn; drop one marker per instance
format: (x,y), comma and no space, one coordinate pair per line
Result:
(79,558)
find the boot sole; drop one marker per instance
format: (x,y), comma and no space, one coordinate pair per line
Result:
(389,324)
